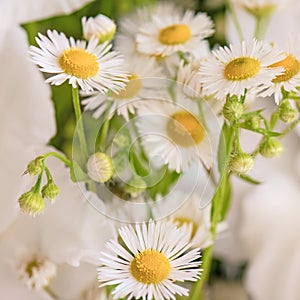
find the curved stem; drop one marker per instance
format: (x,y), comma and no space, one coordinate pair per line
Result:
(61,157)
(104,128)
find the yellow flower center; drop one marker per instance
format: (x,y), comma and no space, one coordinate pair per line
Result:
(79,63)
(184,129)
(291,67)
(175,34)
(150,267)
(180,221)
(241,68)
(132,88)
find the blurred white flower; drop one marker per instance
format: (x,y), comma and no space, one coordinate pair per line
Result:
(101,27)
(145,81)
(166,34)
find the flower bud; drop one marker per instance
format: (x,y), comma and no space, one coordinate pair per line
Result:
(271,148)
(35,167)
(101,27)
(122,140)
(32,203)
(286,113)
(100,167)
(135,186)
(241,163)
(253,122)
(50,191)
(233,109)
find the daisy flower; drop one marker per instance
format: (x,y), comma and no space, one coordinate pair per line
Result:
(89,65)
(234,69)
(145,81)
(289,80)
(260,7)
(174,133)
(101,27)
(168,33)
(128,27)
(154,257)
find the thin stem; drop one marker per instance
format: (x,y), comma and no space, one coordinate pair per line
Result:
(81,135)
(37,187)
(48,174)
(234,19)
(61,157)
(261,26)
(50,292)
(104,128)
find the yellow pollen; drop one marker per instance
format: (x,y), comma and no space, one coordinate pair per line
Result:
(150,267)
(79,63)
(184,129)
(132,88)
(241,68)
(175,34)
(291,67)
(180,221)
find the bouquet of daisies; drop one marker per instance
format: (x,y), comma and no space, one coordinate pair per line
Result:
(159,110)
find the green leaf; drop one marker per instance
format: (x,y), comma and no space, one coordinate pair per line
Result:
(249,179)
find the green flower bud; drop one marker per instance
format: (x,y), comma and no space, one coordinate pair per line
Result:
(260,11)
(135,186)
(32,203)
(241,163)
(254,122)
(35,167)
(286,113)
(271,148)
(100,167)
(233,109)
(50,191)
(122,140)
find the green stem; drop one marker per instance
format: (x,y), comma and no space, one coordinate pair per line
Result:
(61,157)
(290,127)
(104,129)
(261,26)
(234,19)
(50,292)
(48,174)
(37,187)
(79,123)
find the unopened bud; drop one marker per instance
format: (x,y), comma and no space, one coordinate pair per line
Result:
(241,163)
(101,27)
(286,113)
(233,109)
(100,167)
(135,186)
(35,167)
(271,148)
(254,122)
(50,191)
(32,203)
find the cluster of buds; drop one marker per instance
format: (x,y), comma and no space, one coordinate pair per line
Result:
(32,202)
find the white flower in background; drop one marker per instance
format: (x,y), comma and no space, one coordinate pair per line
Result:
(260,7)
(128,27)
(189,77)
(166,34)
(175,134)
(89,65)
(290,78)
(100,27)
(239,67)
(197,219)
(146,81)
(155,257)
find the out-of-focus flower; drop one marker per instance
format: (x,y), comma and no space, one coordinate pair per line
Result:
(89,65)
(100,27)
(154,258)
(290,78)
(244,66)
(145,81)
(175,134)
(166,34)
